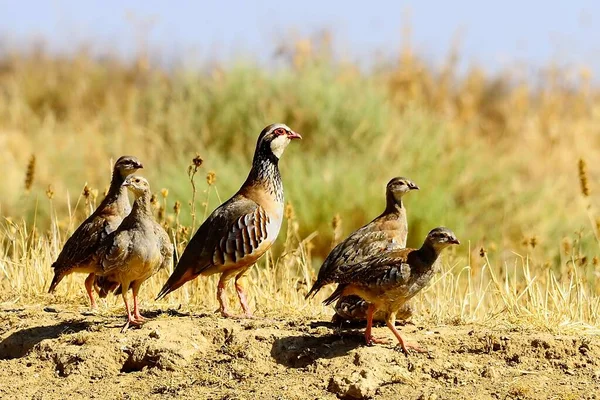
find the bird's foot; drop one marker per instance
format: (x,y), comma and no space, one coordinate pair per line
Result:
(138,317)
(371,340)
(131,321)
(227,314)
(404,347)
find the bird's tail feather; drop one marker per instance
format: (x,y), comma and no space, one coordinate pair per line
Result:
(175,281)
(313,290)
(337,293)
(58,276)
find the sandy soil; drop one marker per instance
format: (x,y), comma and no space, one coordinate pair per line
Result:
(55,353)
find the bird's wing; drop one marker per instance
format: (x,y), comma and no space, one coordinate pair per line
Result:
(362,244)
(388,269)
(236,229)
(84,242)
(115,251)
(166,247)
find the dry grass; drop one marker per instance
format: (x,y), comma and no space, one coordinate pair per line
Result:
(500,160)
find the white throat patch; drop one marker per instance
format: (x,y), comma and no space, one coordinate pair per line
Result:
(279,144)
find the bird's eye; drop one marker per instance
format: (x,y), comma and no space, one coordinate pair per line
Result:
(279,131)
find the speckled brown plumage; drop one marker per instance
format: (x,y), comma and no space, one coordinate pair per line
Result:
(388,280)
(243,228)
(388,230)
(79,252)
(137,249)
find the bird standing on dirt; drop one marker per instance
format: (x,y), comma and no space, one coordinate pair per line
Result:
(78,253)
(138,249)
(243,228)
(388,280)
(388,230)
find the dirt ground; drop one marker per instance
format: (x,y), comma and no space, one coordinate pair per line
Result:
(54,353)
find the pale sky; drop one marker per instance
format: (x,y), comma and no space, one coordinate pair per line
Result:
(502,33)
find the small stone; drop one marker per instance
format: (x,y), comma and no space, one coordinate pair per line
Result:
(155,334)
(468,366)
(488,372)
(360,385)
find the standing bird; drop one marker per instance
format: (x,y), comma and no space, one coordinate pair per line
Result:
(388,280)
(243,228)
(138,249)
(388,230)
(78,253)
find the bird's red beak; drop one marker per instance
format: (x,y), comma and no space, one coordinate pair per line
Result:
(293,135)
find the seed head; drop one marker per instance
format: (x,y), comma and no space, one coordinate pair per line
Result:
(177,207)
(30,175)
(211,178)
(289,211)
(50,192)
(482,252)
(566,245)
(195,165)
(583,178)
(533,241)
(164,192)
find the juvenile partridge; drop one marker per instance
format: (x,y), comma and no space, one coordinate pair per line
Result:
(78,253)
(388,280)
(243,228)
(138,249)
(388,230)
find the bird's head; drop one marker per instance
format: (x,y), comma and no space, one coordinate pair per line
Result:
(127,165)
(398,187)
(138,185)
(440,238)
(275,138)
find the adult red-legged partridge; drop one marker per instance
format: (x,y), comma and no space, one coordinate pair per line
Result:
(138,249)
(243,228)
(388,230)
(79,252)
(388,280)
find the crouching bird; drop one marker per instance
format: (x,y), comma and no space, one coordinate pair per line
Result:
(387,231)
(138,249)
(388,280)
(242,229)
(79,253)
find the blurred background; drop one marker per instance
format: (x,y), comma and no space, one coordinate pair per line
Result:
(492,109)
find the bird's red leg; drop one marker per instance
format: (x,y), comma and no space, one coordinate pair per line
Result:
(405,346)
(222,297)
(368,335)
(130,319)
(242,296)
(89,285)
(136,311)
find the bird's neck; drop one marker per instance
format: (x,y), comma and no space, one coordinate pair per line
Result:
(116,200)
(392,205)
(265,172)
(428,254)
(141,205)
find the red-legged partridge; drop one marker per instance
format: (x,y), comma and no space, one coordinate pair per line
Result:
(388,280)
(388,230)
(243,228)
(138,249)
